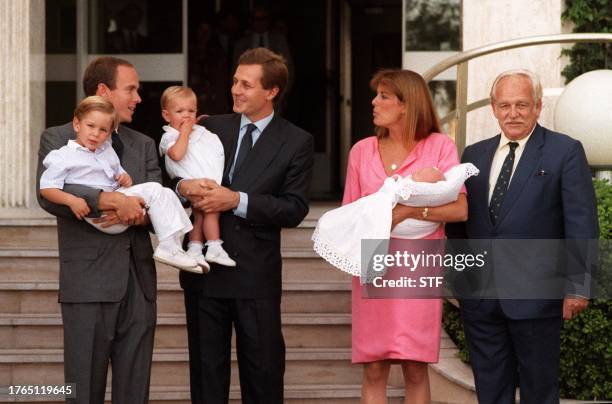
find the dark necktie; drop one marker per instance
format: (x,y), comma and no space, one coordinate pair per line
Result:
(501,186)
(262,43)
(245,147)
(117,145)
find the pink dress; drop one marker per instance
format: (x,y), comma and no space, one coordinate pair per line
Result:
(400,329)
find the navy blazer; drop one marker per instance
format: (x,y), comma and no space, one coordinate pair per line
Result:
(551,196)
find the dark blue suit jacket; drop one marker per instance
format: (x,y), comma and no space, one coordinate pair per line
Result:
(550,196)
(275,175)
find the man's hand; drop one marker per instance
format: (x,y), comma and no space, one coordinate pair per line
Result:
(110,218)
(192,189)
(124,180)
(79,207)
(216,198)
(128,210)
(573,305)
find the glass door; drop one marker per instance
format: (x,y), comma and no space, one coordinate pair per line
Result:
(196,43)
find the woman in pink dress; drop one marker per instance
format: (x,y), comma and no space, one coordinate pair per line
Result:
(404,331)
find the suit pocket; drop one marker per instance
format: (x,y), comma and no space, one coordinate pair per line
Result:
(267,235)
(79,254)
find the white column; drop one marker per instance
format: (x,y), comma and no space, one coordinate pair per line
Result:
(22,103)
(487,22)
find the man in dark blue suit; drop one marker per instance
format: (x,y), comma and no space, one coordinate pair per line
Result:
(268,166)
(533,184)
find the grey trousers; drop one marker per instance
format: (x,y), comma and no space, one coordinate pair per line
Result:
(122,333)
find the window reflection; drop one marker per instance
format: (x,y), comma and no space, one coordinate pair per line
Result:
(60,26)
(60,61)
(443,95)
(433,25)
(135,26)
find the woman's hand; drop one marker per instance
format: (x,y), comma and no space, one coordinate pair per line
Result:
(402,212)
(451,212)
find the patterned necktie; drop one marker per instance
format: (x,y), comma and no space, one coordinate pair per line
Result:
(245,147)
(501,186)
(117,145)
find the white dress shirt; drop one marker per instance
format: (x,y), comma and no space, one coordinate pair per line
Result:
(500,155)
(75,164)
(260,125)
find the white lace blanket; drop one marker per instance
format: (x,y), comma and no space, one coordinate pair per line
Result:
(337,237)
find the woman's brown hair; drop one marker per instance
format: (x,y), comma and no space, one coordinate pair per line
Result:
(411,90)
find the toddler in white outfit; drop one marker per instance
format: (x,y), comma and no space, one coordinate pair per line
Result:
(193,152)
(90,160)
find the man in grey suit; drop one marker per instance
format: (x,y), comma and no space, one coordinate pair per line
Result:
(107,285)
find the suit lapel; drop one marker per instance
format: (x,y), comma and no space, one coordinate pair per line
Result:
(483,163)
(260,156)
(524,169)
(130,158)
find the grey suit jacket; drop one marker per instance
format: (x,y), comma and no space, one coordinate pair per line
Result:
(94,266)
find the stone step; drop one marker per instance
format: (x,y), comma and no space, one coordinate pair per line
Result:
(42,233)
(35,265)
(294,394)
(28,233)
(305,366)
(298,297)
(452,380)
(44,331)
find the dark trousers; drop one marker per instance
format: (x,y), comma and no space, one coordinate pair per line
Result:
(499,346)
(122,333)
(260,348)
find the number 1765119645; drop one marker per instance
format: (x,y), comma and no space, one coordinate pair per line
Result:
(66,390)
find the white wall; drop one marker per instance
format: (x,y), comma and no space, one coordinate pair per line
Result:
(489,21)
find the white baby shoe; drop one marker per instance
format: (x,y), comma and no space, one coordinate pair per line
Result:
(178,259)
(199,259)
(217,254)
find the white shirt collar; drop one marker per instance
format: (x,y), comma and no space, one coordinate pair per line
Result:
(504,140)
(72,144)
(261,124)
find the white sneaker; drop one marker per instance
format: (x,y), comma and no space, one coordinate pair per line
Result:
(219,256)
(178,259)
(199,259)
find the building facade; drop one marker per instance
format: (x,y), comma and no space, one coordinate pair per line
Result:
(334,47)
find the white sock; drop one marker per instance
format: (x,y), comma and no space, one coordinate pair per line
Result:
(169,244)
(195,247)
(178,238)
(214,246)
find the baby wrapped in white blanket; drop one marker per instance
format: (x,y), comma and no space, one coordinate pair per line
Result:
(339,232)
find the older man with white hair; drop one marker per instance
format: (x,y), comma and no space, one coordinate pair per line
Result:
(533,184)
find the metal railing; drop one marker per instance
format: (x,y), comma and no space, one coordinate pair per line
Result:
(457,118)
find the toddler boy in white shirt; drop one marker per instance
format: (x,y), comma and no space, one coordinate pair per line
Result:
(90,160)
